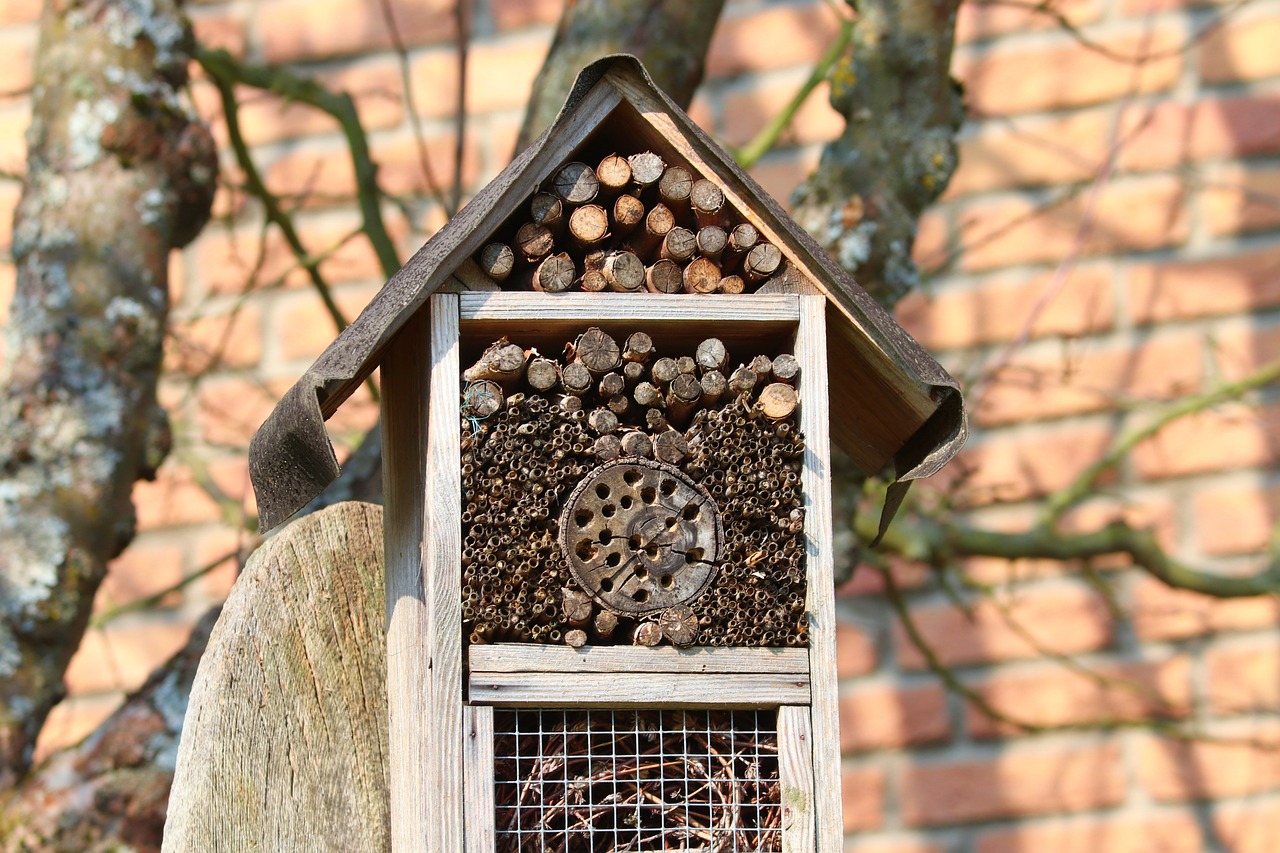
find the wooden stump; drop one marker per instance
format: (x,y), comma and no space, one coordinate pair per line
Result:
(284,747)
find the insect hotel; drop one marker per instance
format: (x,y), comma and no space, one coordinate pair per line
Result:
(610,389)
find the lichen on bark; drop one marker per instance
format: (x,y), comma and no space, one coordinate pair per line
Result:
(897,152)
(118,174)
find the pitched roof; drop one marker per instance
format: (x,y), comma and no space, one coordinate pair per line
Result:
(904,409)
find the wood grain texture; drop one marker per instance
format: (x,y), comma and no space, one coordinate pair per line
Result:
(404,465)
(442,726)
(815,485)
(795,772)
(528,657)
(638,690)
(284,746)
(477,753)
(502,307)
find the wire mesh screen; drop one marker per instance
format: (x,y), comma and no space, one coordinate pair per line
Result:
(579,781)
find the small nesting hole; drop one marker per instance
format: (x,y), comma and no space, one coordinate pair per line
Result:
(606,585)
(631,477)
(606,536)
(586,550)
(641,573)
(641,595)
(613,560)
(626,502)
(690,512)
(583,517)
(693,555)
(648,494)
(602,491)
(608,510)
(667,581)
(668,487)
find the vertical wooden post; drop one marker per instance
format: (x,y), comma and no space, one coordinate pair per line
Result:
(405,384)
(795,772)
(442,566)
(478,748)
(815,484)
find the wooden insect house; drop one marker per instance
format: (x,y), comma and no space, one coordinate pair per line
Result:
(610,387)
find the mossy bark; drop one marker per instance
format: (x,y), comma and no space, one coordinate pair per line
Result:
(118,174)
(897,152)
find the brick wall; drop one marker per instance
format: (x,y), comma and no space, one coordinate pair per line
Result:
(1111,240)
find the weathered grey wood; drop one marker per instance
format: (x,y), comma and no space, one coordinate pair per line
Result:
(529,657)
(815,485)
(795,772)
(638,690)
(440,732)
(505,306)
(477,751)
(284,746)
(404,423)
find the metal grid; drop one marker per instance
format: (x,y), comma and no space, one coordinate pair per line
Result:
(578,781)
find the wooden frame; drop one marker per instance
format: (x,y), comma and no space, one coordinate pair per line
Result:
(449,798)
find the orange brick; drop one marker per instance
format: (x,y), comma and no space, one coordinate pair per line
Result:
(1232,437)
(1033,387)
(232,340)
(1050,696)
(1237,283)
(303,326)
(324,177)
(500,76)
(142,570)
(1161,613)
(1243,676)
(1235,519)
(1243,48)
(1146,8)
(231,410)
(979,21)
(1250,827)
(932,247)
(748,110)
(13,139)
(221,550)
(880,845)
(513,14)
(891,717)
(770,38)
(8,283)
(1006,307)
(295,30)
(1243,761)
(19,11)
(1165,833)
(855,651)
(71,720)
(1241,349)
(19,69)
(1059,619)
(374,86)
(1016,782)
(119,657)
(224,32)
(1030,152)
(1069,74)
(1156,514)
(1173,133)
(1242,200)
(863,793)
(171,500)
(1129,215)
(1017,467)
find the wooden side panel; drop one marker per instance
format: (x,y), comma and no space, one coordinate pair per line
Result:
(442,546)
(527,657)
(815,482)
(637,690)
(404,439)
(477,751)
(795,772)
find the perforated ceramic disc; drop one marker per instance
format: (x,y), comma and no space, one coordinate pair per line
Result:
(640,536)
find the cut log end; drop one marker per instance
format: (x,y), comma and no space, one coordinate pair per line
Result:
(639,347)
(497,261)
(598,351)
(701,276)
(778,401)
(628,212)
(762,261)
(482,399)
(646,168)
(576,183)
(555,274)
(665,276)
(674,186)
(679,244)
(576,606)
(679,624)
(648,634)
(624,272)
(785,368)
(589,225)
(534,241)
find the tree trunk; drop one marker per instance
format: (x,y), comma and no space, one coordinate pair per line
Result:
(670,36)
(117,176)
(898,150)
(111,791)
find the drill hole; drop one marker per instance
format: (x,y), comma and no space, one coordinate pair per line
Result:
(608,510)
(602,491)
(668,487)
(641,595)
(693,555)
(606,536)
(667,581)
(612,561)
(626,501)
(606,585)
(586,550)
(631,477)
(648,494)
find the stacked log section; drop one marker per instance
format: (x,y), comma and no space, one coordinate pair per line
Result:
(535,427)
(679,227)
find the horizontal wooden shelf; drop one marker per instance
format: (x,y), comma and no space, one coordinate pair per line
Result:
(751,309)
(638,690)
(529,657)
